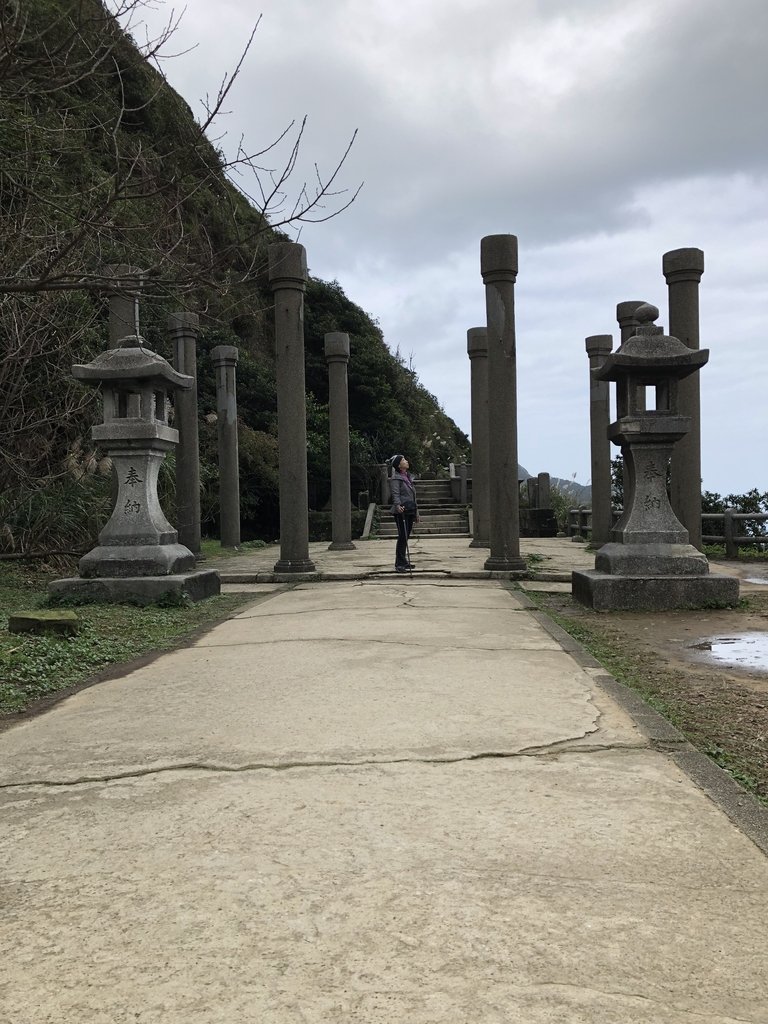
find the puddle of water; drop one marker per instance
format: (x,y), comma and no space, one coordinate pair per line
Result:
(748,650)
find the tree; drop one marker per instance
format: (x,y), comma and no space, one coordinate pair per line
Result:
(102,164)
(153,191)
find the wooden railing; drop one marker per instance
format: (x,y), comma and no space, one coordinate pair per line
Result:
(580,521)
(730,536)
(580,525)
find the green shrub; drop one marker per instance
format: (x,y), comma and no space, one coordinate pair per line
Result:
(321,525)
(61,514)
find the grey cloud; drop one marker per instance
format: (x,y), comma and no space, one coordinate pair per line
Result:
(602,132)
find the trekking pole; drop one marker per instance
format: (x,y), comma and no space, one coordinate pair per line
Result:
(407,552)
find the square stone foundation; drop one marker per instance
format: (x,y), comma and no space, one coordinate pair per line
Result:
(604,592)
(141,590)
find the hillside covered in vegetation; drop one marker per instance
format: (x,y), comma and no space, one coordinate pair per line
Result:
(104,164)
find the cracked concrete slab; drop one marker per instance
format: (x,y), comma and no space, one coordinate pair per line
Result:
(328,620)
(361,803)
(596,888)
(317,675)
(313,702)
(250,588)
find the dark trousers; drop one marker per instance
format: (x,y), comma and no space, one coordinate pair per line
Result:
(404,526)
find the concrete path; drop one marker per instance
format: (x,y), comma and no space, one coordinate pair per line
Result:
(371,801)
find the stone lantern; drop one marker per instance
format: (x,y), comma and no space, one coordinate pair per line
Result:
(138,556)
(648,562)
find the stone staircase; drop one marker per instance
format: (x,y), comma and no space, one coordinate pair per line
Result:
(439,515)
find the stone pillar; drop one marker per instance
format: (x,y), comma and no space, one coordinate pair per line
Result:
(683,269)
(288,281)
(224,361)
(498,265)
(386,498)
(477,350)
(625,316)
(463,484)
(337,355)
(598,347)
(544,490)
(123,295)
(183,329)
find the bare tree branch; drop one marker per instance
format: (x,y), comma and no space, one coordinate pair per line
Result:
(77,74)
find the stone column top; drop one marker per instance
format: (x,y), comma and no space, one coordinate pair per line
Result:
(599,344)
(498,258)
(287,265)
(477,342)
(127,279)
(184,322)
(337,347)
(225,355)
(683,265)
(626,310)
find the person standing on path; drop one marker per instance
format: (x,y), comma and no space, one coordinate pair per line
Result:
(404,508)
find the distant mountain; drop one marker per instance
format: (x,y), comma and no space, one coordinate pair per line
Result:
(581,494)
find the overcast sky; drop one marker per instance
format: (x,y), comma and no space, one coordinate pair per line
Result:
(601,132)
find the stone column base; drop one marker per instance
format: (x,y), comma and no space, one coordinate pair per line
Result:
(341,545)
(142,590)
(286,565)
(495,564)
(652,593)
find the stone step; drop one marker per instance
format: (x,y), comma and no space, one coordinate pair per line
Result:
(443,513)
(431,499)
(428,532)
(436,489)
(430,510)
(435,522)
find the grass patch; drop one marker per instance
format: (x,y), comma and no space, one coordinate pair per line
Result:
(33,667)
(721,720)
(753,553)
(626,666)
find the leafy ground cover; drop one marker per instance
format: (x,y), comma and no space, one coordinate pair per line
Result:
(36,667)
(722,710)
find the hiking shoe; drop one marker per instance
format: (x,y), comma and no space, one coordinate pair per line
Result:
(401,568)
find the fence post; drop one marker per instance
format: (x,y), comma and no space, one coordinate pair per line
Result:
(384,484)
(463,497)
(583,523)
(730,529)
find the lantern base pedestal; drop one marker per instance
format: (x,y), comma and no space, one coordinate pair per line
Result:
(604,592)
(137,560)
(184,588)
(654,559)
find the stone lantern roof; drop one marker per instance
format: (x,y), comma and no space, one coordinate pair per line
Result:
(651,354)
(131,361)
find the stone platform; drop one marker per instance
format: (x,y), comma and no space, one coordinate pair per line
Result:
(605,592)
(188,586)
